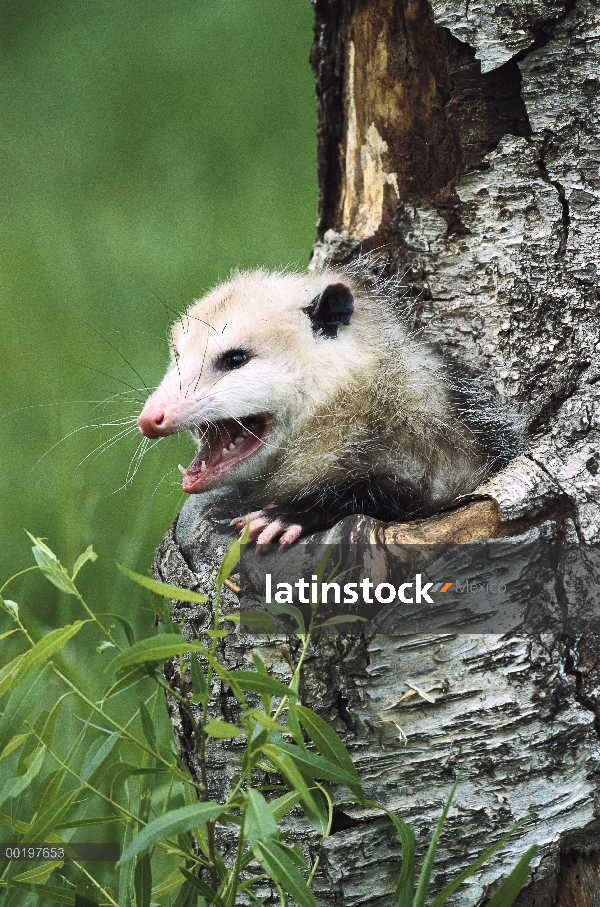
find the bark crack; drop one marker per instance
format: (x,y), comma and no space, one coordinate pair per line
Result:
(543,32)
(564,202)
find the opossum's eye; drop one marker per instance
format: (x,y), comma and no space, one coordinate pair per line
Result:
(332,308)
(232,359)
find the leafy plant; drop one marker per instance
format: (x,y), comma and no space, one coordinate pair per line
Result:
(119,774)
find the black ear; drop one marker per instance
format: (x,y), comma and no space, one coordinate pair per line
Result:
(329,309)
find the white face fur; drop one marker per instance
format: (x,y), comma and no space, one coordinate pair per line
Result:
(249,363)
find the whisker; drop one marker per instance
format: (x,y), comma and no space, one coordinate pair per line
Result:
(101,448)
(118,351)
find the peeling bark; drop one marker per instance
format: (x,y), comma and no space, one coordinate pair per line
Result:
(461,142)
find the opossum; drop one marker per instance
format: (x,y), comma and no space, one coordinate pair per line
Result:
(311,399)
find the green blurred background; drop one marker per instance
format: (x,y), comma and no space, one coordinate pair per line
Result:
(147,148)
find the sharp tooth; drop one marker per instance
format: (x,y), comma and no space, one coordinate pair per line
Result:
(238,440)
(181,469)
(232,446)
(225,452)
(203,466)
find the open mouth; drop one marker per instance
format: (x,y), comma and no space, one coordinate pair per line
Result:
(225,444)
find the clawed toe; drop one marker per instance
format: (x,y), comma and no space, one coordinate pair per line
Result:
(264,529)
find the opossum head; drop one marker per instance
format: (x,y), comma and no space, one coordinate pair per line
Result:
(250,362)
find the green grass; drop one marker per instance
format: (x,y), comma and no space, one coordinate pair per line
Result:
(146,148)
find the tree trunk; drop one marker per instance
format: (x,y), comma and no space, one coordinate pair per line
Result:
(460,142)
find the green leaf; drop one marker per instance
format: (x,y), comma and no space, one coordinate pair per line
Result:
(95,758)
(142,880)
(130,635)
(8,672)
(253,619)
(198,678)
(222,730)
(11,607)
(291,610)
(187,895)
(262,669)
(340,619)
(327,742)
(45,649)
(426,869)
(443,895)
(8,633)
(230,560)
(88,555)
(164,589)
(260,823)
(49,892)
(39,873)
(46,791)
(311,801)
(47,821)
(118,772)
(86,896)
(20,704)
(282,805)
(51,567)
(280,867)
(317,767)
(127,679)
(172,823)
(14,787)
(507,893)
(147,725)
(403,896)
(13,744)
(153,650)
(258,683)
(204,889)
(294,724)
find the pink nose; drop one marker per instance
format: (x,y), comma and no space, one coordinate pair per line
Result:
(152,421)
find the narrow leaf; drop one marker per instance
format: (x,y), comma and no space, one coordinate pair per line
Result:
(47,821)
(253,619)
(49,892)
(443,895)
(326,741)
(260,822)
(259,683)
(280,867)
(130,635)
(95,758)
(230,561)
(142,880)
(282,805)
(203,888)
(45,649)
(222,729)
(290,610)
(147,725)
(13,744)
(153,650)
(340,619)
(88,555)
(172,823)
(507,893)
(86,896)
(164,589)
(198,678)
(309,800)
(318,767)
(426,869)
(14,787)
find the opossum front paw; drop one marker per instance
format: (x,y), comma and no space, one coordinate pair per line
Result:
(266,528)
